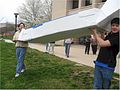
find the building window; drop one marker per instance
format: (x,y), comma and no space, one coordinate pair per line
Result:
(88,2)
(104,0)
(75,4)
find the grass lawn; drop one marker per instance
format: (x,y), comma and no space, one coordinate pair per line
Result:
(44,71)
(6,37)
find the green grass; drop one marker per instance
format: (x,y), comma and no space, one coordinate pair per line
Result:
(6,37)
(44,71)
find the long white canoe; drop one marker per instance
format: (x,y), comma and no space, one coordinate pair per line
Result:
(76,25)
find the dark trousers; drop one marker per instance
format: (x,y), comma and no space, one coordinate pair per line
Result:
(94,49)
(87,48)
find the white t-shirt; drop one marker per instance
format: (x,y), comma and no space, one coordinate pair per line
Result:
(69,40)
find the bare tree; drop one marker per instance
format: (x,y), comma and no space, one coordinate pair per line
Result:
(34,12)
(48,9)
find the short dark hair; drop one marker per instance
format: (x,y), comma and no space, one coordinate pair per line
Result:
(115,20)
(20,24)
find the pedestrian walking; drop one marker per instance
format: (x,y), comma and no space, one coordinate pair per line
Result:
(50,47)
(47,48)
(87,45)
(67,46)
(21,47)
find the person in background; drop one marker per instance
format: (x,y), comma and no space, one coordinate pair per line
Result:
(93,45)
(106,61)
(106,33)
(87,45)
(21,47)
(51,47)
(67,46)
(47,48)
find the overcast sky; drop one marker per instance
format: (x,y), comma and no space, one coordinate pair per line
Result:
(8,8)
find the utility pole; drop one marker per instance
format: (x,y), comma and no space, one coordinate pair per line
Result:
(16,14)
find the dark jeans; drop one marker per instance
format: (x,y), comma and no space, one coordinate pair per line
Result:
(87,48)
(94,49)
(102,77)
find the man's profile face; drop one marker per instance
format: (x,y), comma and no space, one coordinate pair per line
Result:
(115,28)
(21,26)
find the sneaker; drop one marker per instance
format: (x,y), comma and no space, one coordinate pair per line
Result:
(17,75)
(22,70)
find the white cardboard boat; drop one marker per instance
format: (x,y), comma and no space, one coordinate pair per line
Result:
(76,25)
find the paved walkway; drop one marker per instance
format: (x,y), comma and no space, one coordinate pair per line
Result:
(76,54)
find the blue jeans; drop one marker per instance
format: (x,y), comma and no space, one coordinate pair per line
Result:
(67,49)
(102,77)
(20,53)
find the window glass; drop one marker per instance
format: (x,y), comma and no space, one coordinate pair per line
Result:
(104,0)
(88,2)
(75,4)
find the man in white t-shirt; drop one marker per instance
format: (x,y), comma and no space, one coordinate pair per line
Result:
(67,46)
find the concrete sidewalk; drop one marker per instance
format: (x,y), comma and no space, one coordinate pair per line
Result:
(76,54)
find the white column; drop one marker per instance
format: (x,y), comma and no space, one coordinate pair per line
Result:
(80,3)
(95,3)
